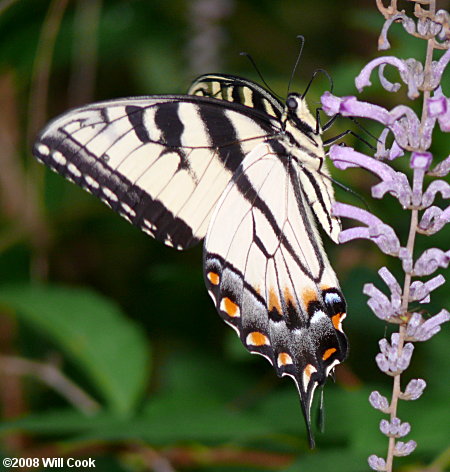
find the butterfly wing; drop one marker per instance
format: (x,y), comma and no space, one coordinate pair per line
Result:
(160,162)
(237,90)
(269,277)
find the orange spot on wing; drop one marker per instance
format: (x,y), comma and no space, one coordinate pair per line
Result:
(284,359)
(307,371)
(288,297)
(257,339)
(213,278)
(328,353)
(229,307)
(337,321)
(308,295)
(274,301)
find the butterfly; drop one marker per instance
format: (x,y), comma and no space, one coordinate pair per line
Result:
(232,164)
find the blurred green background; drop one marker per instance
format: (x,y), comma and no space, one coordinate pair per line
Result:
(109,344)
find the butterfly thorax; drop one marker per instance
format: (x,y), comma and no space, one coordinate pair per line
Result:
(302,134)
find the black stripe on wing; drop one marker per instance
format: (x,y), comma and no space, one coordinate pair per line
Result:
(119,193)
(238,90)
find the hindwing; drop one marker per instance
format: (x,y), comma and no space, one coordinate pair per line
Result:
(268,275)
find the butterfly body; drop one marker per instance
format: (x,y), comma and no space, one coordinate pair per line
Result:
(232,164)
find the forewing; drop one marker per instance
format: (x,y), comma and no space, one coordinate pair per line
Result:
(269,276)
(160,162)
(237,90)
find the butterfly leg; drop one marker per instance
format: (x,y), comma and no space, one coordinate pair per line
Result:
(319,128)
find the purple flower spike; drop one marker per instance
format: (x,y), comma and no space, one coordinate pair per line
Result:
(363,79)
(379,402)
(430,261)
(395,428)
(420,330)
(411,133)
(414,389)
(404,449)
(433,220)
(377,463)
(420,291)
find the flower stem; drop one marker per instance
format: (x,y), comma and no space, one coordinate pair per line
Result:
(402,332)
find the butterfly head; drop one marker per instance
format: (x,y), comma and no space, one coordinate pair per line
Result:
(297,120)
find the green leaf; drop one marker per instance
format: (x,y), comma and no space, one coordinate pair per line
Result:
(61,422)
(93,332)
(165,421)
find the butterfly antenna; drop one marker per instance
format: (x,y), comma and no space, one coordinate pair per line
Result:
(297,61)
(315,73)
(253,63)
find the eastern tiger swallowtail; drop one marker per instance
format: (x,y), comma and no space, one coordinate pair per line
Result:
(230,163)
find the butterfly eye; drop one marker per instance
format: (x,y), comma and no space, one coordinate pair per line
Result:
(292,103)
